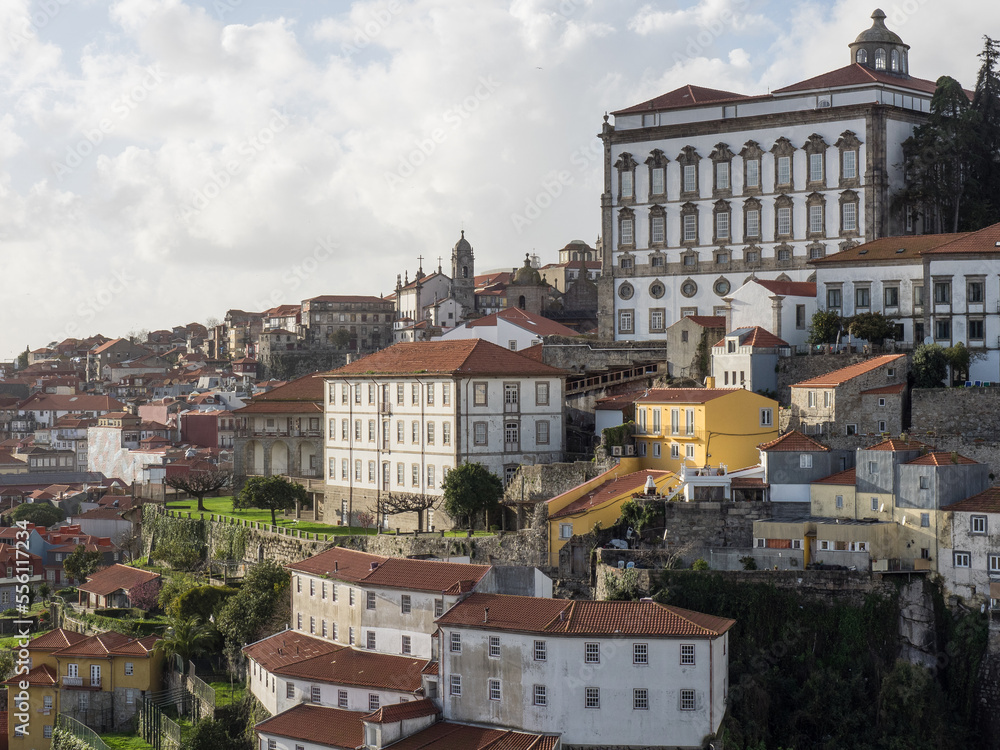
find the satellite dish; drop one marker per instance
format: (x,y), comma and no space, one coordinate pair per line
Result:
(928,340)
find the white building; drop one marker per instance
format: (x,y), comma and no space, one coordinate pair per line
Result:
(621,674)
(748,357)
(704,188)
(935,287)
(784,308)
(400,419)
(513,329)
(969,560)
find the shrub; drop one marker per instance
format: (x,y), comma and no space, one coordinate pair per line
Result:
(699,564)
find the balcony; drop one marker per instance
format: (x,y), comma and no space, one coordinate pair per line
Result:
(79,683)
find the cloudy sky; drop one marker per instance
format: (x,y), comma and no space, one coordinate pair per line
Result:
(162,161)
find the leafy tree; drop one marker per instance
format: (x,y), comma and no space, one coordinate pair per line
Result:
(22,358)
(410,503)
(173,587)
(44,590)
(825,327)
(342,338)
(365,518)
(872,327)
(186,638)
(199,483)
(637,516)
(81,563)
(470,489)
(270,493)
(40,514)
(6,663)
(145,595)
(201,601)
(259,608)
(210,734)
(960,358)
(622,586)
(930,366)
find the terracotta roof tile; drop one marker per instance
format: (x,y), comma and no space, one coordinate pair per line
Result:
(55,640)
(983,241)
(608,490)
(116,577)
(795,442)
(857,75)
(424,575)
(462,357)
(885,390)
(101,644)
(43,675)
(684,395)
(842,375)
(848,476)
(360,668)
(789,288)
(707,321)
(905,248)
(528,321)
(431,667)
(685,96)
(895,444)
(401,711)
(756,337)
(560,616)
(321,725)
(287,648)
(340,563)
(446,735)
(941,458)
(748,483)
(987,501)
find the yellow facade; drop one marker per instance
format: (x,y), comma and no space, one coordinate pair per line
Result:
(701,430)
(824,500)
(606,508)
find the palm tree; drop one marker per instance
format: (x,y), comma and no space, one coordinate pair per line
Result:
(186,638)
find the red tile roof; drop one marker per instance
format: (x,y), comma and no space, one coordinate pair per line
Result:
(43,675)
(11,557)
(561,616)
(941,458)
(401,711)
(392,572)
(300,396)
(895,444)
(339,562)
(848,476)
(987,501)
(684,395)
(885,390)
(360,668)
(71,403)
(102,644)
(789,288)
(983,241)
(55,640)
(287,648)
(446,735)
(606,491)
(748,483)
(756,337)
(528,321)
(463,357)
(115,578)
(685,96)
(842,375)
(795,442)
(707,321)
(904,249)
(858,75)
(322,725)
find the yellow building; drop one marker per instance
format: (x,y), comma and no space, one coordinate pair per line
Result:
(95,680)
(578,510)
(698,427)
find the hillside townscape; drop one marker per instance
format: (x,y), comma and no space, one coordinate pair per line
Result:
(724,477)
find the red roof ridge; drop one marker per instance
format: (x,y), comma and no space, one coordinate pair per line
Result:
(843,374)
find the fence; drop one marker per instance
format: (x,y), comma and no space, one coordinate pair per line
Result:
(202,694)
(155,727)
(82,732)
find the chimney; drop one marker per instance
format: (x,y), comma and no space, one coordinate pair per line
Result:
(562,615)
(646,599)
(650,488)
(710,382)
(486,615)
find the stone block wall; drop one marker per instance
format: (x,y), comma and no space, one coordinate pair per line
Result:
(574,355)
(796,368)
(956,411)
(711,524)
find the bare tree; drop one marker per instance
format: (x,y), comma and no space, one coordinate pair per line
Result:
(130,543)
(409,503)
(199,483)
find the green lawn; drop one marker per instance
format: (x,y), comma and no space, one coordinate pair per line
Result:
(226,694)
(224,506)
(125,742)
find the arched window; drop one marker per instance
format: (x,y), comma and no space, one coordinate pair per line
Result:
(465,272)
(520,302)
(895,61)
(880,59)
(862,57)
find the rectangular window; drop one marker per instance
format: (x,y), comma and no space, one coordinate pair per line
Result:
(47,731)
(494,647)
(314,694)
(994,563)
(312,625)
(479,433)
(849,221)
(541,697)
(640,653)
(325,631)
(405,604)
(430,394)
(690,228)
(298,621)
(511,435)
(640,699)
(129,667)
(656,180)
(542,432)
(925,520)
(456,684)
(962,559)
(975,292)
(942,329)
(415,394)
(370,640)
(722,225)
(592,653)
(341,699)
(784,170)
(415,475)
(687,700)
(430,433)
(625,321)
(657,229)
(753,173)
(979,524)
(456,643)
(399,394)
(627,233)
(891,294)
(784,221)
(815,167)
(976,330)
(431,478)
(690,178)
(850,162)
(479,394)
(351,596)
(405,647)
(357,394)
(541,394)
(438,607)
(446,394)
(540,651)
(626,183)
(687,653)
(400,474)
(592,697)
(350,635)
(373,701)
(875,503)
(689,421)
(289,690)
(753,222)
(840,501)
(722,175)
(816,219)
(371,471)
(565,530)
(862,296)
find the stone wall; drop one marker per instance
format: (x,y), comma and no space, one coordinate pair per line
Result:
(545,481)
(793,369)
(711,524)
(290,365)
(955,411)
(988,697)
(574,355)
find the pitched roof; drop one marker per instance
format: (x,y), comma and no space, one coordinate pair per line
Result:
(71,403)
(302,395)
(401,711)
(358,667)
(458,357)
(322,725)
(528,321)
(941,458)
(101,644)
(987,501)
(982,241)
(885,390)
(609,490)
(795,442)
(567,617)
(446,735)
(908,248)
(391,572)
(115,578)
(42,675)
(789,288)
(340,562)
(685,96)
(858,75)
(707,321)
(287,648)
(357,299)
(55,640)
(848,476)
(755,337)
(895,444)
(684,395)
(842,375)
